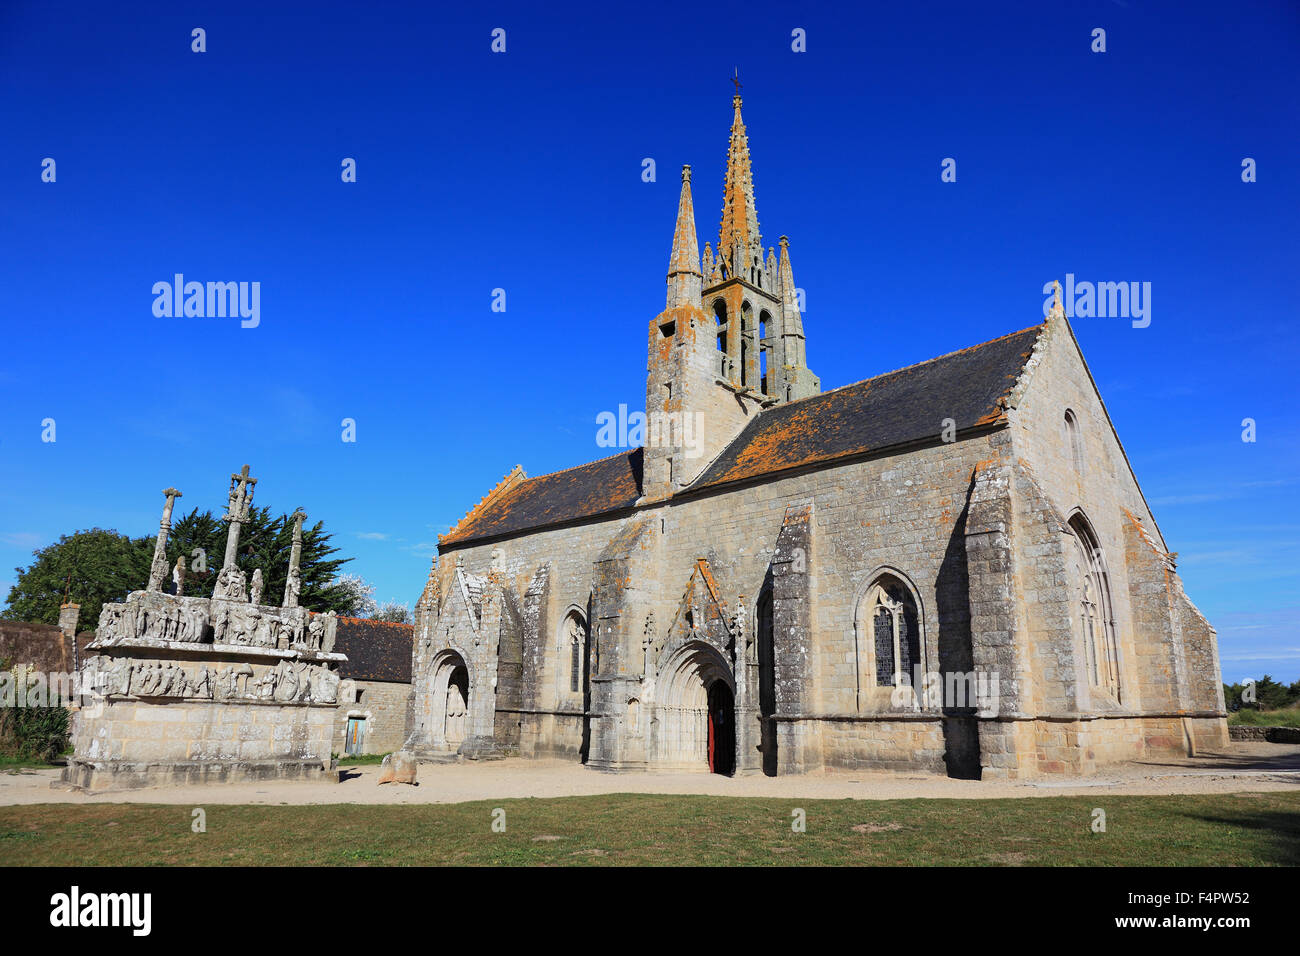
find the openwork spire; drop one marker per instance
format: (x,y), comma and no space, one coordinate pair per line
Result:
(793,321)
(684,279)
(739,228)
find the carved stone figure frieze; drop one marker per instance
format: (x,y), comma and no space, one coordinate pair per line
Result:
(231,585)
(292,588)
(193,623)
(325,686)
(178,576)
(243,679)
(202,687)
(114,624)
(316,632)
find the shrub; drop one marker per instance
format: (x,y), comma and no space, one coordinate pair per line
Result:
(33,733)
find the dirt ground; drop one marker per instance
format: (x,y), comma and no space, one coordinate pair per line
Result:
(1245,766)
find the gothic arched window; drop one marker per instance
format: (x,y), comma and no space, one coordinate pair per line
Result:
(573,651)
(1092,604)
(889,635)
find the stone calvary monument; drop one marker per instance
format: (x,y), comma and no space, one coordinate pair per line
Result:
(207,690)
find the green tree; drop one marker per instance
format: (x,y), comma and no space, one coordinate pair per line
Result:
(92,567)
(1270,694)
(393,613)
(106,566)
(266,542)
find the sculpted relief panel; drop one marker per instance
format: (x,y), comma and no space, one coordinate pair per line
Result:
(286,682)
(149,617)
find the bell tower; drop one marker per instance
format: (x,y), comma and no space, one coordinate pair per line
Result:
(691,412)
(730,340)
(751,298)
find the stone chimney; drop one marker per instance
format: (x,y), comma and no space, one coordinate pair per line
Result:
(68,616)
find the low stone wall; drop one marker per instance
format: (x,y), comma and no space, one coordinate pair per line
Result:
(40,647)
(1274,735)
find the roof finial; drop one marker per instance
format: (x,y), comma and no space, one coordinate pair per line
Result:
(735,78)
(1058,310)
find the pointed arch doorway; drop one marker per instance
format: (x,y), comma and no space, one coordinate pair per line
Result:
(449,701)
(695,711)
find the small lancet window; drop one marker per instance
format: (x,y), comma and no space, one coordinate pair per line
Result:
(575,637)
(1074,441)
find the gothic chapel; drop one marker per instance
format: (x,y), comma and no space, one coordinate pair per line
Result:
(945,568)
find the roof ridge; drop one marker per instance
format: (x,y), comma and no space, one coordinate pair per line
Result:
(907,368)
(752,452)
(498,489)
(594,461)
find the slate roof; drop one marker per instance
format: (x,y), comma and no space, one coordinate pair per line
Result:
(889,411)
(599,487)
(376,650)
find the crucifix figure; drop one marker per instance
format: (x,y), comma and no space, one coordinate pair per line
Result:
(293,586)
(158,571)
(241,497)
(230,581)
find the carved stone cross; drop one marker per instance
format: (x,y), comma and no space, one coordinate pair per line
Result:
(293,585)
(241,498)
(158,570)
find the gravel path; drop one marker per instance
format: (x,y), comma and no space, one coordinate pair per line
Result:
(1246,766)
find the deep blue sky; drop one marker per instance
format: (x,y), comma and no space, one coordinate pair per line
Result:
(523,171)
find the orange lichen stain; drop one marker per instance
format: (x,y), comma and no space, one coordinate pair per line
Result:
(706,573)
(593,488)
(804,424)
(1142,533)
(512,479)
(682,318)
(388,624)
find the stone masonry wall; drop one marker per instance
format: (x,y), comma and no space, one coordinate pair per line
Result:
(383,705)
(903,514)
(1168,659)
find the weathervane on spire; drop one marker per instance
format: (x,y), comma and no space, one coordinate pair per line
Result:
(735,78)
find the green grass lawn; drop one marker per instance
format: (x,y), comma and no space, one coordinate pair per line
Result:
(1249,717)
(1245,829)
(360,760)
(8,762)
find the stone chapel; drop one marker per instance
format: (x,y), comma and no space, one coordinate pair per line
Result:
(947,568)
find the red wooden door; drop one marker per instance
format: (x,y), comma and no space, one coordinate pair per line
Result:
(713,739)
